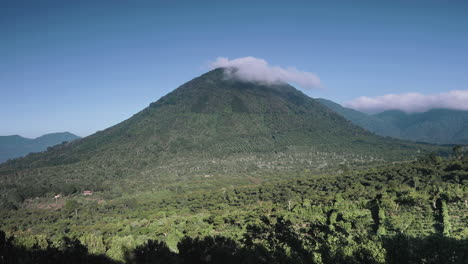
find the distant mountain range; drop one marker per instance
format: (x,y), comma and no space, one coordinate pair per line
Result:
(17,146)
(440,126)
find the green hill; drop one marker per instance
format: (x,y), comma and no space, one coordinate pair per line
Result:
(210,126)
(439,126)
(366,121)
(16,146)
(222,170)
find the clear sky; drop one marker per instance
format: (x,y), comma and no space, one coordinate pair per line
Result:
(82,66)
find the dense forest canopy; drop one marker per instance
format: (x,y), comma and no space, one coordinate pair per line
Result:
(412,212)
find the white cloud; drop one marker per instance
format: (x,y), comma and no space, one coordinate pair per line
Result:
(258,70)
(411,102)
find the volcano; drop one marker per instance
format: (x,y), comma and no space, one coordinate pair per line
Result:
(213,126)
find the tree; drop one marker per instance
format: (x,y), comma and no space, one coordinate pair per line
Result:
(447,227)
(457,151)
(71,206)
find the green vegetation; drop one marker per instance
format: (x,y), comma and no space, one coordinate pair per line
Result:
(401,213)
(227,171)
(211,125)
(440,126)
(17,146)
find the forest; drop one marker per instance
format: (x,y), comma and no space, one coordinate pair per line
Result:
(203,137)
(406,212)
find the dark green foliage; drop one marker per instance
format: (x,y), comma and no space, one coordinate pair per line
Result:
(200,104)
(68,251)
(13,196)
(432,249)
(71,207)
(238,105)
(280,244)
(209,250)
(151,252)
(377,215)
(7,206)
(457,151)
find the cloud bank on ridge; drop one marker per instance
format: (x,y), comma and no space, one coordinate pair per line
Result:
(411,102)
(259,70)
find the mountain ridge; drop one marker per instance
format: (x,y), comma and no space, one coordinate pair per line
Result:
(15,146)
(211,125)
(438,126)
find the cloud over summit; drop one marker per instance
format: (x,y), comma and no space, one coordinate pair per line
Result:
(259,70)
(411,102)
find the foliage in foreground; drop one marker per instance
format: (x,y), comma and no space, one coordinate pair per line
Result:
(404,213)
(280,244)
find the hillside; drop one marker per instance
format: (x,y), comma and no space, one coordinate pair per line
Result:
(439,126)
(366,121)
(210,126)
(400,213)
(16,146)
(223,170)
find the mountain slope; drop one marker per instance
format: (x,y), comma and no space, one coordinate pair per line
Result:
(366,121)
(17,146)
(440,126)
(208,126)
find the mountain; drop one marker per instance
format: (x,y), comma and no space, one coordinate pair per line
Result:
(366,121)
(211,131)
(440,126)
(224,162)
(16,146)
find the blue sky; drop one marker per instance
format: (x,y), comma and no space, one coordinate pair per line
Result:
(82,66)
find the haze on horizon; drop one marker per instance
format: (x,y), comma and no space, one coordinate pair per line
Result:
(84,66)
